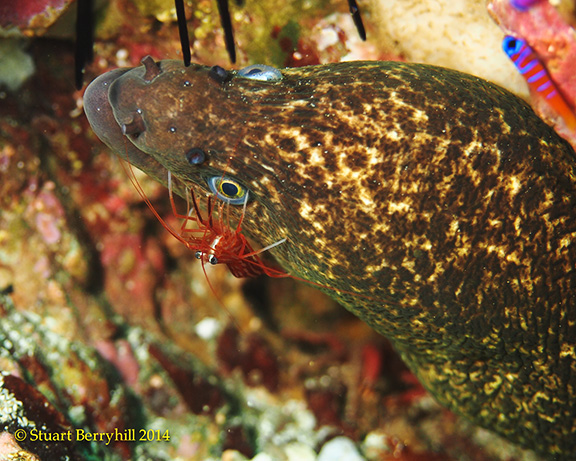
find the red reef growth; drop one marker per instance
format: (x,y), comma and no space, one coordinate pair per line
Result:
(38,409)
(199,395)
(32,17)
(252,355)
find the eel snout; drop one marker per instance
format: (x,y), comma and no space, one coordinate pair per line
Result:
(99,111)
(101,116)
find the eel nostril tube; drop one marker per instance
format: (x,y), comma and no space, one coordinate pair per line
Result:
(152,68)
(134,127)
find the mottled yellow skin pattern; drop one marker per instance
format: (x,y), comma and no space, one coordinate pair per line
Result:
(439,198)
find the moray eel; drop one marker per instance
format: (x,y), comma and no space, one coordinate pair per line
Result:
(437,206)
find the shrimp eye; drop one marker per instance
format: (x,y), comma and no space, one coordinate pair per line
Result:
(228,190)
(261,72)
(212,259)
(198,255)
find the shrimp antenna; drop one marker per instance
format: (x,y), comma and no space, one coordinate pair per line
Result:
(128,169)
(243,210)
(183,31)
(266,248)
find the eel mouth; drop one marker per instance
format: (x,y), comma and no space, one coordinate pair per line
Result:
(101,117)
(99,111)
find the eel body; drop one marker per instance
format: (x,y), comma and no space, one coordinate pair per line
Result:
(437,206)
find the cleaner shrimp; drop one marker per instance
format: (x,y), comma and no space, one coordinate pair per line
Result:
(215,242)
(211,238)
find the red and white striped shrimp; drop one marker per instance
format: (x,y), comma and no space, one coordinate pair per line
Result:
(215,242)
(211,238)
(538,78)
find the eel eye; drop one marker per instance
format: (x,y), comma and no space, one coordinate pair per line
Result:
(228,190)
(261,72)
